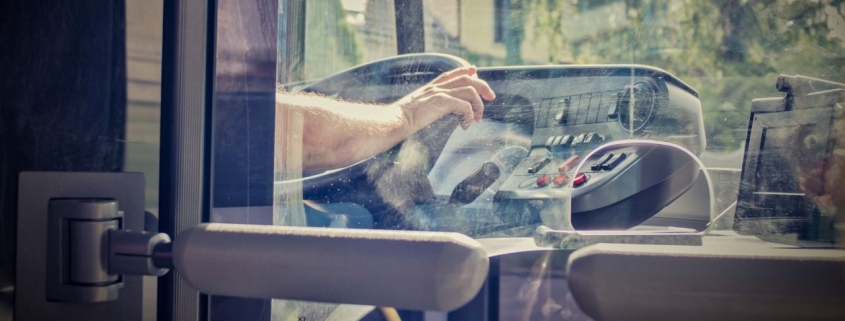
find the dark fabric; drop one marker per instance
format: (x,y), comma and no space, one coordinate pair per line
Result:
(62,99)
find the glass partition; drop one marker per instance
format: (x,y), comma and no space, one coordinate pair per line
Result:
(568,77)
(653,71)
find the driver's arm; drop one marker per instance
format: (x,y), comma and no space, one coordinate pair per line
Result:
(338,133)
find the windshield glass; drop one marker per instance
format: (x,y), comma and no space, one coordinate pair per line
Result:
(568,76)
(758,149)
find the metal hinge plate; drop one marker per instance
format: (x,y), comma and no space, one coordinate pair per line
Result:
(37,190)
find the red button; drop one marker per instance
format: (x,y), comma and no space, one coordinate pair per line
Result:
(568,164)
(543,180)
(560,179)
(579,180)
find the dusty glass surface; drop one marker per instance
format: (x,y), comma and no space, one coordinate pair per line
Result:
(572,75)
(654,72)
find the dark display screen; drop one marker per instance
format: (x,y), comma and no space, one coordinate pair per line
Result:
(785,168)
(777,189)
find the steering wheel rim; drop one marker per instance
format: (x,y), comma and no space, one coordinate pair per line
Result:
(408,69)
(366,182)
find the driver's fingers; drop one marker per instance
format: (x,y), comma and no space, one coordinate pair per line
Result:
(457,72)
(480,86)
(455,105)
(470,95)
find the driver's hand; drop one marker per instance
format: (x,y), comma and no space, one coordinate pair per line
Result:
(458,91)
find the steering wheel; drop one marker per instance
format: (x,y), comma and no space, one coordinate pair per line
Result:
(389,185)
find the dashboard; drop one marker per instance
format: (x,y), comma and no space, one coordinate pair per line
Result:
(546,121)
(519,167)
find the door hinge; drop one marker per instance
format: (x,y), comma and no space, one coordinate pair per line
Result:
(89,251)
(81,238)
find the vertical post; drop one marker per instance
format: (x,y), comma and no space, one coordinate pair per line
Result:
(187,88)
(410,26)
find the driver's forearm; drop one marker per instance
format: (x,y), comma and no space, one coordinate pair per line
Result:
(337,133)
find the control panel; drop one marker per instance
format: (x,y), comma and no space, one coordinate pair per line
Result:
(558,115)
(512,169)
(540,175)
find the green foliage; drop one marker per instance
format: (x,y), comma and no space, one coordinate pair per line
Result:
(331,43)
(730,50)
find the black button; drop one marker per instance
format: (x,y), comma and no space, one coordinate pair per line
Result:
(593,138)
(566,141)
(597,166)
(535,168)
(614,162)
(556,142)
(589,138)
(549,142)
(578,143)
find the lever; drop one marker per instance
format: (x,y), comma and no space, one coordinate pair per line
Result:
(401,269)
(94,247)
(476,183)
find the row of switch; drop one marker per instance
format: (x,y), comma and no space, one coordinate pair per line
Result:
(561,177)
(578,109)
(568,164)
(606,163)
(561,143)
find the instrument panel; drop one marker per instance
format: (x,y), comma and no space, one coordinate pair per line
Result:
(548,119)
(514,168)
(614,101)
